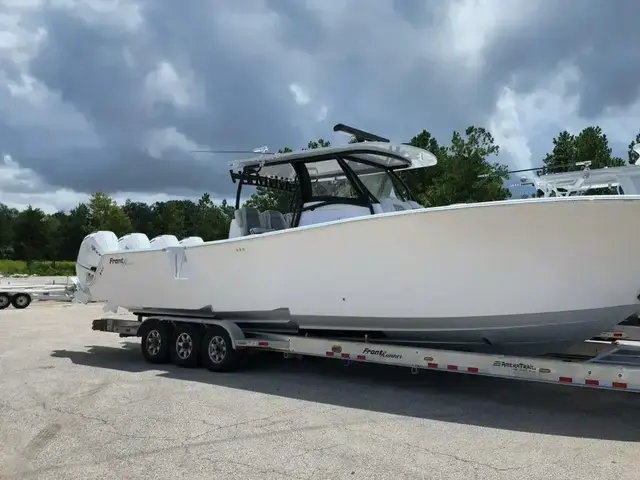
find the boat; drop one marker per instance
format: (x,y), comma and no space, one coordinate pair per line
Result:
(358,256)
(623,180)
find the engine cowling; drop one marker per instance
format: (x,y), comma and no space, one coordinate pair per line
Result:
(163,241)
(92,248)
(133,241)
(190,241)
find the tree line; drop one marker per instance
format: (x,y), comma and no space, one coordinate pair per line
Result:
(466,172)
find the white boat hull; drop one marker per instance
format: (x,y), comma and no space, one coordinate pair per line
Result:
(524,274)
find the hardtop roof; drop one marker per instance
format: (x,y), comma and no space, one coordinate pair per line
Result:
(391,155)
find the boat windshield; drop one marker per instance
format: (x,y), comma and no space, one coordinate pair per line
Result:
(378,180)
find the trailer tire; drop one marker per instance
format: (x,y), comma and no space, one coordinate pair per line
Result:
(5,300)
(21,300)
(217,352)
(156,339)
(185,347)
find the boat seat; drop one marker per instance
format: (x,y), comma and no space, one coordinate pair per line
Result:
(411,205)
(390,204)
(273,220)
(288,218)
(249,221)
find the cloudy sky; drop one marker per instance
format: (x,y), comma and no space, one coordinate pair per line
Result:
(112,95)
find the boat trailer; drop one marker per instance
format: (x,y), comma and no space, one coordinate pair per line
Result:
(21,296)
(221,345)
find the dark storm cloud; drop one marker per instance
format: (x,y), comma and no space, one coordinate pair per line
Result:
(299,28)
(417,12)
(112,170)
(374,64)
(602,39)
(244,107)
(247,100)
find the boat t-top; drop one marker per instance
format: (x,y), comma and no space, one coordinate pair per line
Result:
(329,184)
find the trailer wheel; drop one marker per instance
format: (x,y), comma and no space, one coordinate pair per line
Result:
(156,337)
(185,348)
(5,301)
(21,300)
(217,353)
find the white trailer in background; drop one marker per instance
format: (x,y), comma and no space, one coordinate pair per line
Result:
(220,345)
(21,295)
(623,180)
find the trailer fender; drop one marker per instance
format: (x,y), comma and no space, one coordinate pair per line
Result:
(234,331)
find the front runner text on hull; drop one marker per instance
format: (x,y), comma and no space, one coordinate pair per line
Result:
(381,353)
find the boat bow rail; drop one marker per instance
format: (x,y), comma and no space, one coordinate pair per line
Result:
(594,364)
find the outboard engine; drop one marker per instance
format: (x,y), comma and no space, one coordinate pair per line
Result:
(134,241)
(186,242)
(162,241)
(92,248)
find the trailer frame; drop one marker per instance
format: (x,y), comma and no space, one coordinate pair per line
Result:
(611,365)
(21,296)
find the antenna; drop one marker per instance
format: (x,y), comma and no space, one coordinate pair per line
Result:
(263,150)
(260,150)
(360,135)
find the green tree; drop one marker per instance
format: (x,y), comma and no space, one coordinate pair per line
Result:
(73,228)
(569,151)
(421,180)
(169,218)
(105,214)
(211,222)
(30,235)
(463,173)
(320,143)
(563,156)
(141,216)
(633,155)
(227,209)
(52,224)
(7,224)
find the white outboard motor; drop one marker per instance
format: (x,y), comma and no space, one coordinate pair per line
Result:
(163,241)
(92,248)
(187,242)
(134,241)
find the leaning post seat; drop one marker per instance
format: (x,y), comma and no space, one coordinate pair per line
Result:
(273,220)
(249,221)
(288,218)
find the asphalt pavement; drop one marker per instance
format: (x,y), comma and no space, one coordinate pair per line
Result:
(79,404)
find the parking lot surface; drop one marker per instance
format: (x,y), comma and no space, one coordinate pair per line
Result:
(80,404)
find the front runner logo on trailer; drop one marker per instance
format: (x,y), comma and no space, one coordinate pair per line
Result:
(525,367)
(381,353)
(117,261)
